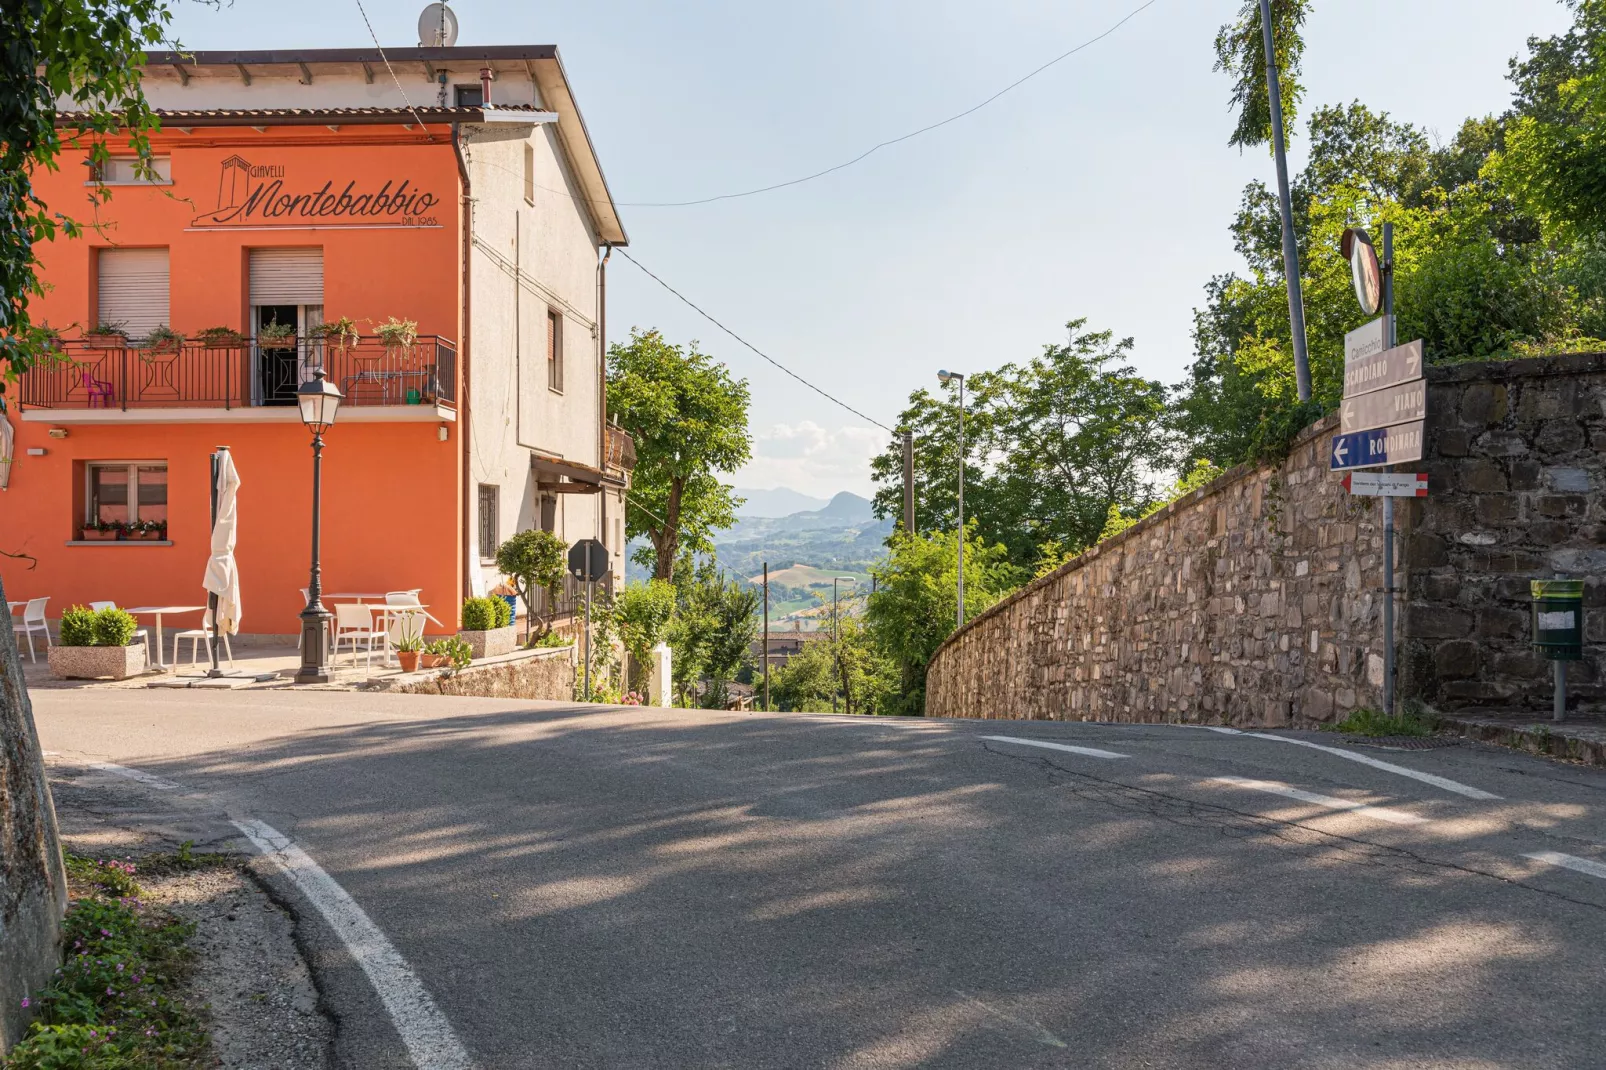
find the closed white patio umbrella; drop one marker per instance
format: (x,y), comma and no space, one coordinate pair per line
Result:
(222,580)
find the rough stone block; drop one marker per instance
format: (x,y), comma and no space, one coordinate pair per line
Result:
(1484,404)
(1316,705)
(1525,666)
(1495,622)
(1431,622)
(1478,476)
(1425,550)
(1561,505)
(490,644)
(1568,480)
(1496,508)
(1453,442)
(1559,437)
(1501,444)
(1455,659)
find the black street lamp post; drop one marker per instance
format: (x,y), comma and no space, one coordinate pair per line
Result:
(319,399)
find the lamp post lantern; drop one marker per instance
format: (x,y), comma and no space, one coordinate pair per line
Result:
(319,400)
(946,377)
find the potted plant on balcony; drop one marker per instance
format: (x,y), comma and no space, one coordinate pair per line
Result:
(397,334)
(276,334)
(163,339)
(109,335)
(99,530)
(220,337)
(340,333)
(94,646)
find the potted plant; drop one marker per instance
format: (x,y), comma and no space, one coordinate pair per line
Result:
(408,646)
(163,339)
(276,334)
(99,530)
(397,334)
(340,333)
(450,652)
(95,646)
(110,335)
(488,627)
(220,337)
(147,530)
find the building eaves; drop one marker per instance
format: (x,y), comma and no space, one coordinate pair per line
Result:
(310,56)
(313,116)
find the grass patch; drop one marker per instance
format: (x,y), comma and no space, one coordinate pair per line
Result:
(1369,722)
(114,1003)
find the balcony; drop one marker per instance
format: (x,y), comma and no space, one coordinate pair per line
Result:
(194,380)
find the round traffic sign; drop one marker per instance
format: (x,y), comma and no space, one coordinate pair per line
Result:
(1364,269)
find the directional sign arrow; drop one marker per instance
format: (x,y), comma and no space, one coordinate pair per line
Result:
(1387,484)
(1376,447)
(1381,408)
(1402,364)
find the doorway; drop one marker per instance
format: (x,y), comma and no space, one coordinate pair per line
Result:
(282,357)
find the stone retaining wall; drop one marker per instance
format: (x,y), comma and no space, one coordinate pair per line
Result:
(1256,600)
(535,674)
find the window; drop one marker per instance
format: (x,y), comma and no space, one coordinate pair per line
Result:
(121,171)
(529,174)
(124,492)
(468,96)
(554,350)
(548,507)
(133,290)
(489,540)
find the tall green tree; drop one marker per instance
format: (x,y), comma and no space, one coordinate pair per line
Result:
(688,416)
(1241,53)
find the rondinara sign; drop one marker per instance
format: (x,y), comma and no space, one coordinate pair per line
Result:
(1385,401)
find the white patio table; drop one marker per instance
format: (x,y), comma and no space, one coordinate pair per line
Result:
(157,612)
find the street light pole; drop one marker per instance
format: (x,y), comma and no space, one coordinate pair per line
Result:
(1296,299)
(945,377)
(319,400)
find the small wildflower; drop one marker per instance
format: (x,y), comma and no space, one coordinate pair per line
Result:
(25,1002)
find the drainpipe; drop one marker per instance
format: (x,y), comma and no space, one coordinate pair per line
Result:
(465,395)
(485,87)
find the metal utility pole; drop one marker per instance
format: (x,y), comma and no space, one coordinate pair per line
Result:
(946,377)
(1296,300)
(766,637)
(836,638)
(1388,502)
(908,482)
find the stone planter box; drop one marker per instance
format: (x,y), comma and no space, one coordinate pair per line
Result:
(97,662)
(489,644)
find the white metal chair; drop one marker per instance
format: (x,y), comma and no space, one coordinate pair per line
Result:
(139,633)
(356,622)
(197,636)
(33,623)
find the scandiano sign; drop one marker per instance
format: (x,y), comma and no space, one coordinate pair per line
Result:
(255,196)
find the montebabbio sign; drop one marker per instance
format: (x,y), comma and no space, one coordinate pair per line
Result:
(252,196)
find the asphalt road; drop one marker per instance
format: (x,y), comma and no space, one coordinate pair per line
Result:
(633,888)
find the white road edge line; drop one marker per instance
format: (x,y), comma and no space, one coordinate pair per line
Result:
(1388,767)
(423,1028)
(150,780)
(1223,731)
(1572,862)
(1090,752)
(1382,813)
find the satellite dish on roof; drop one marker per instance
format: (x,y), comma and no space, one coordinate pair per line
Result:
(437,27)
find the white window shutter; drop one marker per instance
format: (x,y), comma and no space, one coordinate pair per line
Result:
(287,276)
(134,289)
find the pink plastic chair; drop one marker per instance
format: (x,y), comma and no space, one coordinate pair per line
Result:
(95,388)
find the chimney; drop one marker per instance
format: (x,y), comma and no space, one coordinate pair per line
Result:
(485,86)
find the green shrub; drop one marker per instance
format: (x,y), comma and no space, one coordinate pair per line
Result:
(1369,722)
(553,639)
(77,627)
(114,627)
(503,612)
(479,614)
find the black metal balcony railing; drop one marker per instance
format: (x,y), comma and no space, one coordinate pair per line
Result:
(571,600)
(197,375)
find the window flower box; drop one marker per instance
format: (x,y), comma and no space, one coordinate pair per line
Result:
(97,662)
(100,535)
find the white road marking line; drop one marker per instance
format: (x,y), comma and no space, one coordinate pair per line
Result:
(1091,752)
(150,780)
(1224,731)
(1573,862)
(1382,813)
(1388,767)
(423,1028)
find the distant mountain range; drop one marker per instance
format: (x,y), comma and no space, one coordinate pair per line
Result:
(781,501)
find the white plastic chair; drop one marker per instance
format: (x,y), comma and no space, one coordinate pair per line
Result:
(33,623)
(139,633)
(355,622)
(197,636)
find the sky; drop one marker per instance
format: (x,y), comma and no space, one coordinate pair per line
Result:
(1102,188)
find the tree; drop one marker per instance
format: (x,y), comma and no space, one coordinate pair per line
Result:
(915,602)
(1241,53)
(642,612)
(87,53)
(689,420)
(534,560)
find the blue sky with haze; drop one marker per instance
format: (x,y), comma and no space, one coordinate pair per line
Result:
(1102,188)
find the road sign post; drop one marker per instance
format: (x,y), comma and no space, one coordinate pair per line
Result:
(588,563)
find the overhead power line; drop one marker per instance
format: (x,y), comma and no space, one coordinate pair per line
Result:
(904,137)
(392,71)
(834,400)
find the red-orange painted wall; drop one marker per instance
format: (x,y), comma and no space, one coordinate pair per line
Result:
(392,506)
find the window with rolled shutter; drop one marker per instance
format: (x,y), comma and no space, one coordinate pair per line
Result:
(133,285)
(287,276)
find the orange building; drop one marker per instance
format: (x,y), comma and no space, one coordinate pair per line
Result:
(308,207)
